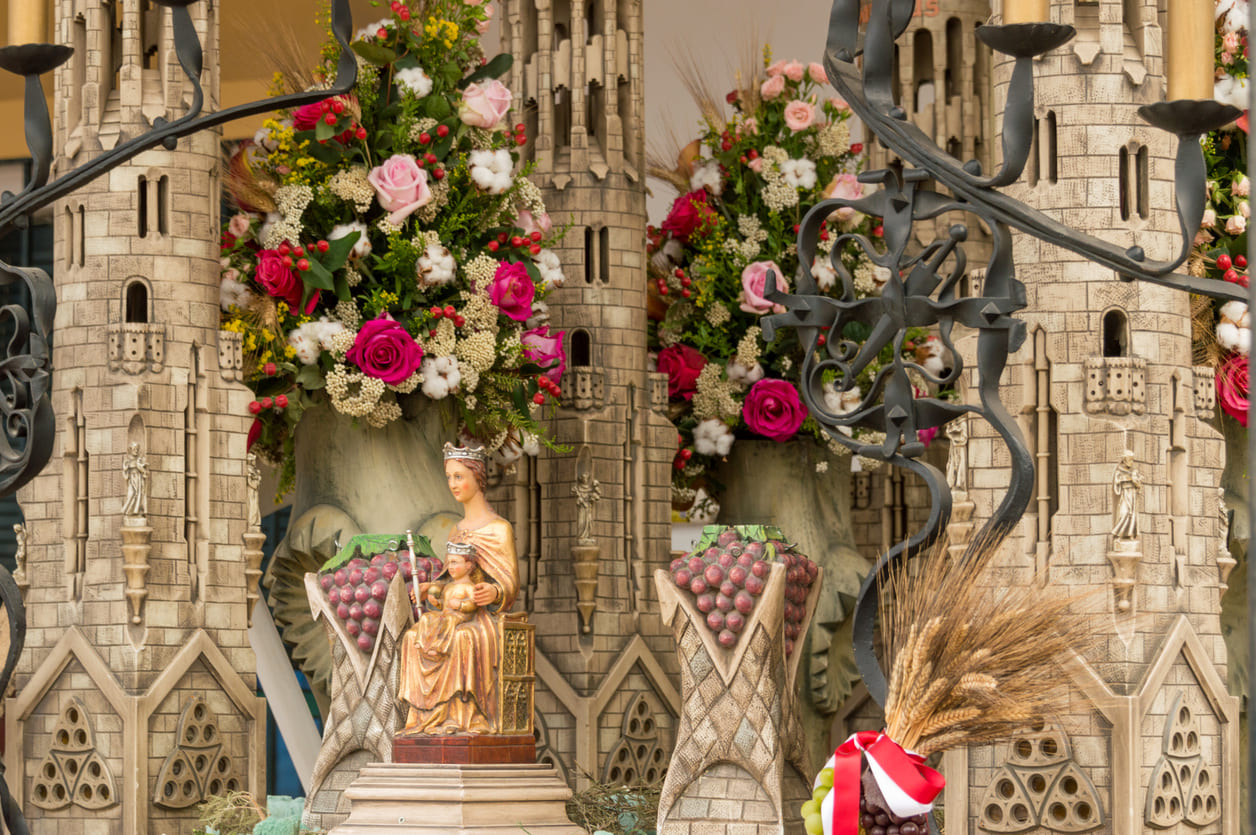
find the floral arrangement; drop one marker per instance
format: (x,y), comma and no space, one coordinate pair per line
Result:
(386,245)
(1223,333)
(745,185)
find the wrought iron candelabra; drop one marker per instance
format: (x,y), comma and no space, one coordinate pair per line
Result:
(27,424)
(922,287)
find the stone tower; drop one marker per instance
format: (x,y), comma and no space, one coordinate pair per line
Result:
(1149,738)
(606,694)
(136,696)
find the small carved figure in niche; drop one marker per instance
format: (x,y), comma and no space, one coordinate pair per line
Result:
(1222,511)
(255,482)
(135,469)
(449,662)
(1127,483)
(588,491)
(19,574)
(957,461)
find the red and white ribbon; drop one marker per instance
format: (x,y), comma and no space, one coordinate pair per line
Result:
(908,785)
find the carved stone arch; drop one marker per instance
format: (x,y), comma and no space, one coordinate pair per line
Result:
(1114,335)
(640,755)
(546,752)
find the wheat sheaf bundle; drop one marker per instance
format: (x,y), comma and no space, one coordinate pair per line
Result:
(973,659)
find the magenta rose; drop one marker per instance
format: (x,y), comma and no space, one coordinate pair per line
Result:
(754,281)
(682,365)
(513,290)
(281,281)
(485,107)
(546,350)
(307,116)
(687,214)
(401,186)
(384,350)
(1232,387)
(772,409)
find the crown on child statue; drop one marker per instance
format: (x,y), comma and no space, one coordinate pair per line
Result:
(463,549)
(466,453)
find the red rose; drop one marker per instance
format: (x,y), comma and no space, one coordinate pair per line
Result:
(281,281)
(773,409)
(384,349)
(682,365)
(687,215)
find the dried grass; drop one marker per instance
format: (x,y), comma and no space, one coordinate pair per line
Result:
(601,805)
(1207,351)
(974,659)
(235,813)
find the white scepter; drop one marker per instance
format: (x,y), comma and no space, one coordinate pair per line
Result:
(414,569)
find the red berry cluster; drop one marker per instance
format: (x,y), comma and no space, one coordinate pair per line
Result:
(545,384)
(295,256)
(428,158)
(1230,268)
(279,402)
(728,578)
(400,10)
(447,312)
(357,590)
(531,243)
(520,134)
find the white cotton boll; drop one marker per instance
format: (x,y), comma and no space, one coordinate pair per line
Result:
(540,316)
(232,292)
(440,376)
(491,170)
(1232,15)
(531,445)
(738,373)
(323,331)
(362,246)
(1234,312)
(708,177)
(435,387)
(712,437)
(799,173)
(307,349)
(824,274)
(1231,90)
(1245,342)
(550,267)
(413,80)
(436,266)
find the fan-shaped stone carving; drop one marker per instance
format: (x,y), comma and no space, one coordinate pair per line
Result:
(1039,786)
(73,772)
(198,766)
(1183,787)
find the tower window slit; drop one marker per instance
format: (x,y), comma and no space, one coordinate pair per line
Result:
(142,208)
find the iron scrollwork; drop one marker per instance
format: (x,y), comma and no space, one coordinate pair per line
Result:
(922,287)
(28,423)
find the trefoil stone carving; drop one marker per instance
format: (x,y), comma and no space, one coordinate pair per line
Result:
(198,767)
(1039,786)
(1183,787)
(73,772)
(639,757)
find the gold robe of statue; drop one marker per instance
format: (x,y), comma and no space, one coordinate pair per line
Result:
(449,676)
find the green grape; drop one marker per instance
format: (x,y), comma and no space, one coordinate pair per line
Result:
(818,794)
(814,824)
(810,808)
(826,778)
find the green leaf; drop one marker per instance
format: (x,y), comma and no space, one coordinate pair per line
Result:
(311,378)
(324,131)
(343,293)
(371,544)
(338,251)
(328,154)
(451,73)
(375,53)
(318,276)
(438,108)
(496,68)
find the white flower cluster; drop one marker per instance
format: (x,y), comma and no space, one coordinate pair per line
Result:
(712,437)
(413,80)
(285,225)
(491,170)
(833,139)
(440,376)
(708,177)
(551,268)
(352,186)
(354,393)
(310,339)
(435,266)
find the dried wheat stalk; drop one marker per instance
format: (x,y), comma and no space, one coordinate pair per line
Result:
(973,659)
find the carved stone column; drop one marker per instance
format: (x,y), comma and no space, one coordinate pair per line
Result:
(136,546)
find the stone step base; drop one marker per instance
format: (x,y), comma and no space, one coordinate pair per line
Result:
(458,800)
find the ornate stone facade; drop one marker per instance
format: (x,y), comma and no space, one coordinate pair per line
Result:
(578,84)
(137,635)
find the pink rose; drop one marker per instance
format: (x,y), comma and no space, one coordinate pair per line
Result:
(794,70)
(773,87)
(401,186)
(281,281)
(238,225)
(750,126)
(776,68)
(799,115)
(754,279)
(839,105)
(487,23)
(682,365)
(772,409)
(546,350)
(844,187)
(1232,387)
(687,214)
(817,73)
(385,351)
(484,107)
(530,223)
(512,290)
(755,165)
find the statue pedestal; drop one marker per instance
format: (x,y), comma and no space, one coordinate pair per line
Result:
(458,800)
(464,749)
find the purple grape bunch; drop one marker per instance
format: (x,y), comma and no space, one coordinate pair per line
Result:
(357,590)
(728,578)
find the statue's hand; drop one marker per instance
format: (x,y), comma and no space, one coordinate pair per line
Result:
(484,594)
